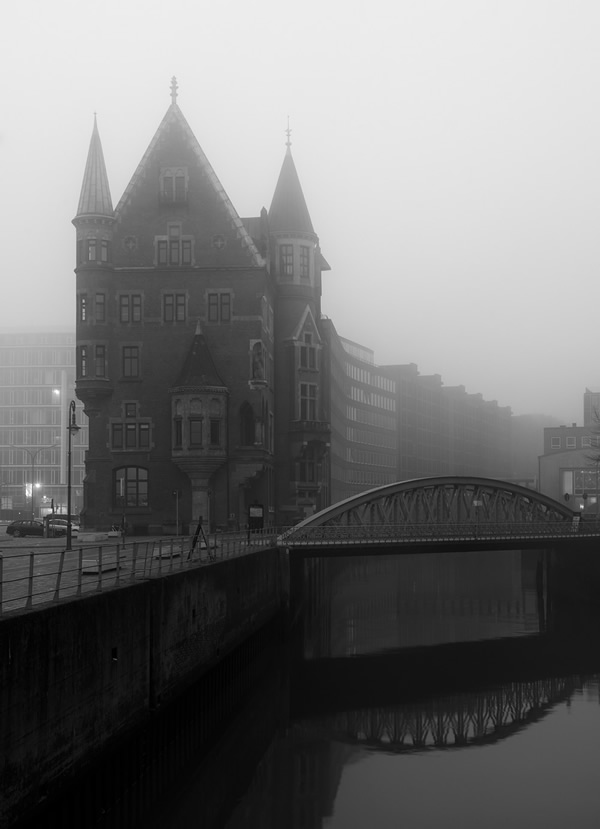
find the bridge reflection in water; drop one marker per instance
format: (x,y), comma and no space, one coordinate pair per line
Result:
(395,657)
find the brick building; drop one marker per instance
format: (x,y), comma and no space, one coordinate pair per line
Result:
(182,307)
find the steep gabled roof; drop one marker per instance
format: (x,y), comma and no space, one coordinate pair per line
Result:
(175,116)
(288,210)
(95,197)
(199,370)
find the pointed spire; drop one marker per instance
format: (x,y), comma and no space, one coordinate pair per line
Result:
(95,193)
(173,90)
(288,211)
(199,369)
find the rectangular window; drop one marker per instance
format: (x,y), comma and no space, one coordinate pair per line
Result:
(100,360)
(117,436)
(304,263)
(195,431)
(131,487)
(104,250)
(131,361)
(555,443)
(161,251)
(286,260)
(144,435)
(136,308)
(178,437)
(100,308)
(225,307)
(308,401)
(215,432)
(91,250)
(83,360)
(186,251)
(168,308)
(130,435)
(173,252)
(219,307)
(82,307)
(571,443)
(124,314)
(586,440)
(130,409)
(174,308)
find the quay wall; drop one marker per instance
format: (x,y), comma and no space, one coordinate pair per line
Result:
(76,675)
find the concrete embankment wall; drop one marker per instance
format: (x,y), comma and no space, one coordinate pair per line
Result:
(75,675)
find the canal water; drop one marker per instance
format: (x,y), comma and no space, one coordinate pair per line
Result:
(414,691)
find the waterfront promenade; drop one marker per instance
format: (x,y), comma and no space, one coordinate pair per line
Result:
(35,571)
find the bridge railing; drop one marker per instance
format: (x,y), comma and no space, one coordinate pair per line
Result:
(49,573)
(407,533)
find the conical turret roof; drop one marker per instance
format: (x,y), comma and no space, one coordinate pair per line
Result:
(95,197)
(288,210)
(199,370)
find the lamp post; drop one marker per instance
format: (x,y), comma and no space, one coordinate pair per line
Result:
(72,429)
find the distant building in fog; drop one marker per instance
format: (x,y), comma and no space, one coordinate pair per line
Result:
(569,468)
(37,380)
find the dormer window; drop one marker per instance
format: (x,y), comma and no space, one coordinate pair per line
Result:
(308,353)
(173,185)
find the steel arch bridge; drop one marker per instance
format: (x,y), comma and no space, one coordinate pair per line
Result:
(443,509)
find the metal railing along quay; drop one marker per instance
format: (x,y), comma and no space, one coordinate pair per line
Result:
(50,573)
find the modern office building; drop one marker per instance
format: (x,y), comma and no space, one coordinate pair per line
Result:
(37,379)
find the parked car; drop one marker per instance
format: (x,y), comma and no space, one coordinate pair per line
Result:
(58,527)
(19,529)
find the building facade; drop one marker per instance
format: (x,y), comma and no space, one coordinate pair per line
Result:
(188,319)
(569,468)
(37,384)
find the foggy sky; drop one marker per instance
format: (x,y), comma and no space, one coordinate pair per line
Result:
(447,151)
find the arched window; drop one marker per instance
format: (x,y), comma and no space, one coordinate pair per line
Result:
(247,424)
(130,487)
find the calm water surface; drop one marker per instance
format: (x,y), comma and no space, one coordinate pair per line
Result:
(425,691)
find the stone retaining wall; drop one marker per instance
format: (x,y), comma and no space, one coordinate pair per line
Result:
(75,675)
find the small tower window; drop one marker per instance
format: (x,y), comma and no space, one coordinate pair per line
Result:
(304,263)
(286,261)
(91,250)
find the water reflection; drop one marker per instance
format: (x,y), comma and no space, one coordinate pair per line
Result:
(422,691)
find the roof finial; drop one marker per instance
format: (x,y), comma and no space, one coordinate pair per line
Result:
(173,90)
(288,132)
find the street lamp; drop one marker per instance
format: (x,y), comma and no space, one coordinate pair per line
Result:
(72,429)
(32,457)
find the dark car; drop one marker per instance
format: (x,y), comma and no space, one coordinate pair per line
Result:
(19,529)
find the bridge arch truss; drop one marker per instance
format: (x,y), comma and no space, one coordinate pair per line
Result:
(443,500)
